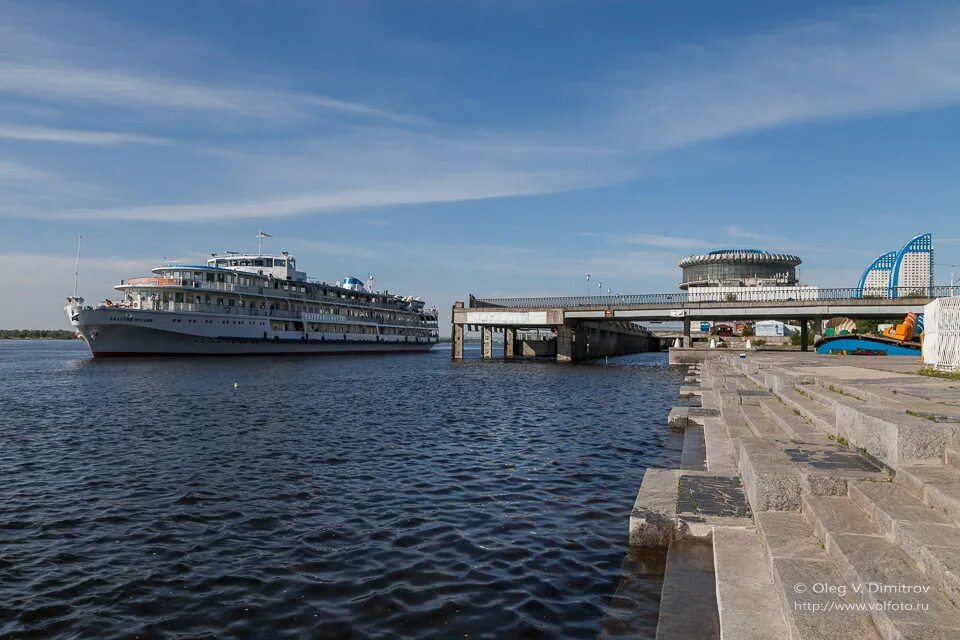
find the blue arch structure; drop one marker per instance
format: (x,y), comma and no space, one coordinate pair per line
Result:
(921,244)
(885,262)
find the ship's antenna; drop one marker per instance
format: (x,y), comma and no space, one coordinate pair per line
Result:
(76,271)
(261,234)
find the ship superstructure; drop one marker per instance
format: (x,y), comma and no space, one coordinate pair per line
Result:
(250,304)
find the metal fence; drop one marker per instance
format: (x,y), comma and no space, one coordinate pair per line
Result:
(758,294)
(941,334)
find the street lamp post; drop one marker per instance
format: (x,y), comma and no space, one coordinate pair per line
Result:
(588,285)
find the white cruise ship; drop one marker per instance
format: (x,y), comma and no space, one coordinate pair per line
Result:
(250,304)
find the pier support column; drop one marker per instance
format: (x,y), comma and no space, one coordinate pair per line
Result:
(486,343)
(456,339)
(509,343)
(804,335)
(687,340)
(456,333)
(564,343)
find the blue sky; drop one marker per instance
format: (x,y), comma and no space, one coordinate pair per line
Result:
(453,148)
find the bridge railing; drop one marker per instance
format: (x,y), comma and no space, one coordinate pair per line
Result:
(758,294)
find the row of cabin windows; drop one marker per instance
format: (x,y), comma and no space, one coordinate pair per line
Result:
(188,298)
(255,262)
(209,276)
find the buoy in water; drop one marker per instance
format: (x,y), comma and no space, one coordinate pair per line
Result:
(236,385)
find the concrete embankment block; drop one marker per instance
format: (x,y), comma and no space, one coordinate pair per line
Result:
(771,481)
(653,521)
(690,391)
(679,418)
(894,437)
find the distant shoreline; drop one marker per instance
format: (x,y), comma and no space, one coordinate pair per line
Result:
(36,334)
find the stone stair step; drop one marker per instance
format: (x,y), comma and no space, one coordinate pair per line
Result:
(952,457)
(822,396)
(720,451)
(799,563)
(813,412)
(795,427)
(747,601)
(866,558)
(770,480)
(937,486)
(893,436)
(653,522)
(694,452)
(923,533)
(761,425)
(886,503)
(776,474)
(688,604)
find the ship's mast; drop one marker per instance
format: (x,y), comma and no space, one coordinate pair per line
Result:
(261,234)
(76,271)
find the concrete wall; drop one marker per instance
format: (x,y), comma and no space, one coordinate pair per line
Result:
(538,348)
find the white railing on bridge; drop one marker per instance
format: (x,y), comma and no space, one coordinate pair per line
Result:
(941,334)
(757,294)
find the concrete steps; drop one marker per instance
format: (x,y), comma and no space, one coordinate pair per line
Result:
(951,456)
(747,601)
(694,452)
(761,425)
(928,537)
(796,428)
(688,605)
(776,474)
(810,410)
(937,486)
(871,565)
(799,564)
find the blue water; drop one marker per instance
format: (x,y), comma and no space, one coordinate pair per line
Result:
(350,497)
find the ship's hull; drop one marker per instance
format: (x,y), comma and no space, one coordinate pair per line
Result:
(122,334)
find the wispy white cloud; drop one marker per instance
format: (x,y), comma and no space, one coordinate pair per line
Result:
(664,241)
(859,63)
(75,136)
(66,82)
(13,170)
(450,188)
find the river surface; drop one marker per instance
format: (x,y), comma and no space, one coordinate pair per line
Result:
(402,496)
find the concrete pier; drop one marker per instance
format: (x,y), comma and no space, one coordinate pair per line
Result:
(570,340)
(829,491)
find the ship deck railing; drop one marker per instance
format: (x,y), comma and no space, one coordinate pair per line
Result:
(278,314)
(163,282)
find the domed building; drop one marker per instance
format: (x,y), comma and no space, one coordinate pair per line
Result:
(739,268)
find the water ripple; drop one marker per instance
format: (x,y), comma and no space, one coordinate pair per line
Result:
(406,496)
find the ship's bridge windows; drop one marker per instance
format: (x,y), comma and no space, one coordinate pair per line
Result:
(279,263)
